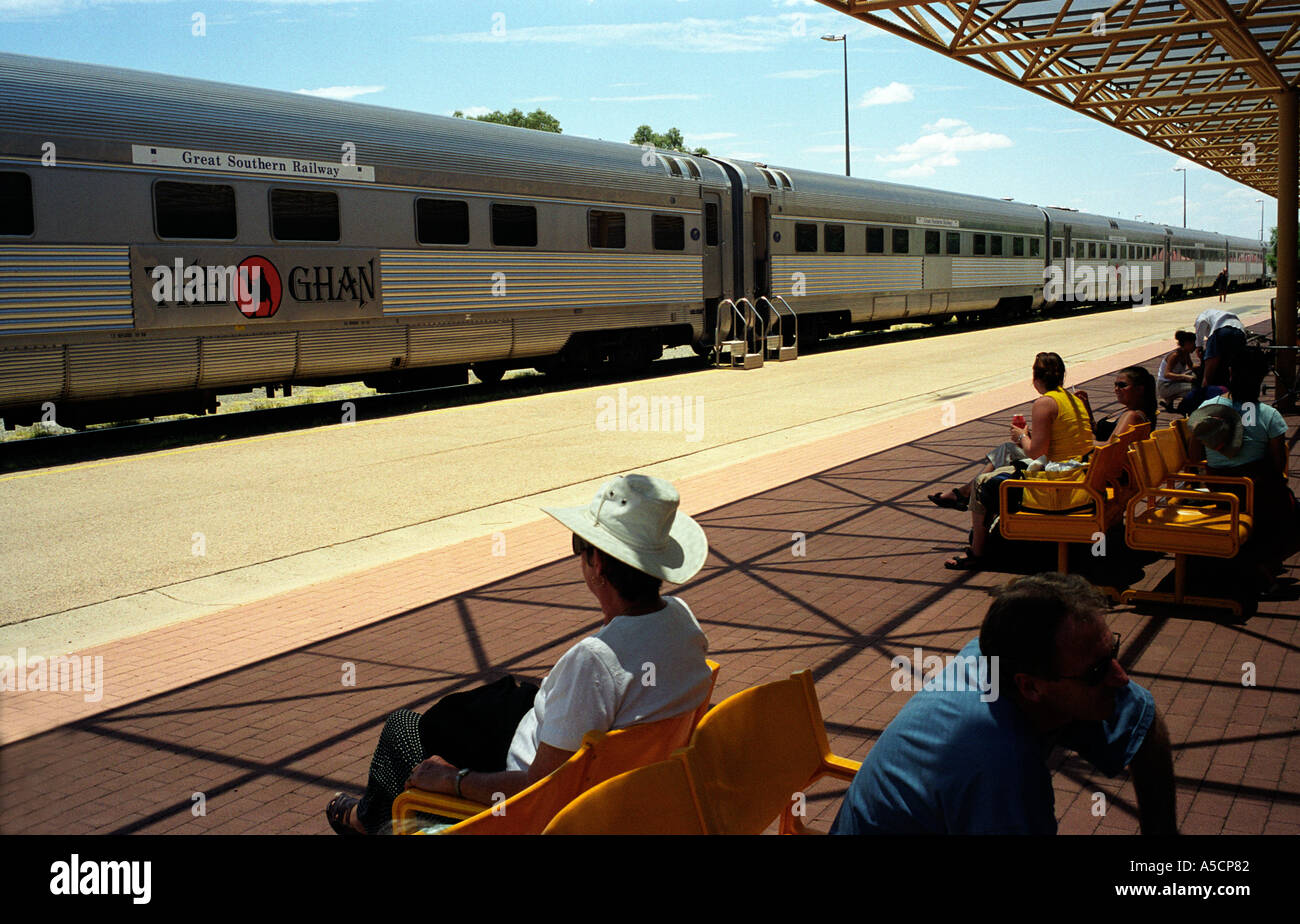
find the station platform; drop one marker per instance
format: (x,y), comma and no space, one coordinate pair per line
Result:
(828,557)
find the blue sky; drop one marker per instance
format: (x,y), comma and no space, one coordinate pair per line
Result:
(748,78)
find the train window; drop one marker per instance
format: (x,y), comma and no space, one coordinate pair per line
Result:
(16,204)
(607,229)
(441,221)
(1017,247)
(514,225)
(711,224)
(1035,246)
(670,164)
(875,240)
(1079,249)
(669,232)
(1092,250)
(693,170)
(805,237)
(785,179)
(995,245)
(304,215)
(1123,251)
(835,239)
(954,242)
(1056,249)
(902,240)
(981,245)
(932,242)
(194,210)
(1114,251)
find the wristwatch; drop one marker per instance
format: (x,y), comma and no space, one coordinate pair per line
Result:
(460,775)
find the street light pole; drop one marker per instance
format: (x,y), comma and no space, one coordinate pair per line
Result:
(1261,220)
(845,39)
(1183,171)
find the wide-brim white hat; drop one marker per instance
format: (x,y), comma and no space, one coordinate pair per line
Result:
(635,519)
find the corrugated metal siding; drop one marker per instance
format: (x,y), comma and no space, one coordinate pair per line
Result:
(538,335)
(992,271)
(838,274)
(110,369)
(58,98)
(335,352)
(466,342)
(239,360)
(46,290)
(419,282)
(31,375)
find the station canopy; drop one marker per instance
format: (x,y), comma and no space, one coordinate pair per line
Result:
(1200,78)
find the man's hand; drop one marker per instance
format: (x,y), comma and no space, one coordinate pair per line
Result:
(1153,781)
(433,775)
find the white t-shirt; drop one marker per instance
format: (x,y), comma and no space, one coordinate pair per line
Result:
(636,669)
(1212,319)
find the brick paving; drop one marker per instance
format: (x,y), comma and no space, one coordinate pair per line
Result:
(266,742)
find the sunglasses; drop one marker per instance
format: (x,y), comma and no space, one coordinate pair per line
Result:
(1097,673)
(1120,386)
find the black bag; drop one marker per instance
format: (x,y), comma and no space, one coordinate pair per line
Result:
(474,728)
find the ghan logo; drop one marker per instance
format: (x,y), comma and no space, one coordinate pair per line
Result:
(255,286)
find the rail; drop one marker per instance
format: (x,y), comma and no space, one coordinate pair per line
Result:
(781,350)
(755,331)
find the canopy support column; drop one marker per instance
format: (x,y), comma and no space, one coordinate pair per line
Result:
(1287,193)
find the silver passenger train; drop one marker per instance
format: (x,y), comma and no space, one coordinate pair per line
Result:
(165,240)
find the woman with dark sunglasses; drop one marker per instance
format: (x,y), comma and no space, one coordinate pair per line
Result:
(1135,389)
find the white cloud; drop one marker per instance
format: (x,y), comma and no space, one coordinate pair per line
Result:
(655,97)
(473,112)
(748,34)
(341,92)
(808,74)
(1191,165)
(939,146)
(895,92)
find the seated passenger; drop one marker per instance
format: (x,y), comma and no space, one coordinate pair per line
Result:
(968,752)
(1059,431)
(1135,389)
(1237,435)
(1178,371)
(628,541)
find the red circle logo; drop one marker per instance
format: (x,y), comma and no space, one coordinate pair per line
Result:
(258,288)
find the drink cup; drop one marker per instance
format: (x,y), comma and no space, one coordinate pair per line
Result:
(1018,421)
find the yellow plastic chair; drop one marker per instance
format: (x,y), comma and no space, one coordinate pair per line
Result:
(655,799)
(755,754)
(1184,522)
(601,756)
(1106,492)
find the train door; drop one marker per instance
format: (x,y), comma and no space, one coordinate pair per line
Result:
(762,250)
(714,248)
(1166,248)
(1067,266)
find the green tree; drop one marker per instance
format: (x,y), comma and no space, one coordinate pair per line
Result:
(1271,255)
(538,120)
(670,140)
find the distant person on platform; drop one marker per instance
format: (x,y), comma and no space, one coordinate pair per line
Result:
(1220,335)
(1221,284)
(965,757)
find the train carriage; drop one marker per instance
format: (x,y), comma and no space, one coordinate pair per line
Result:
(163,240)
(388,245)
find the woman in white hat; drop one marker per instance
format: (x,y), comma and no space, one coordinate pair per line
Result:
(647,661)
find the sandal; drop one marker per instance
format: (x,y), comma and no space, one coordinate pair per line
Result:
(949,503)
(337,812)
(964,562)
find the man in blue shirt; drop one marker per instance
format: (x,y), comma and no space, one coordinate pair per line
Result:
(966,756)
